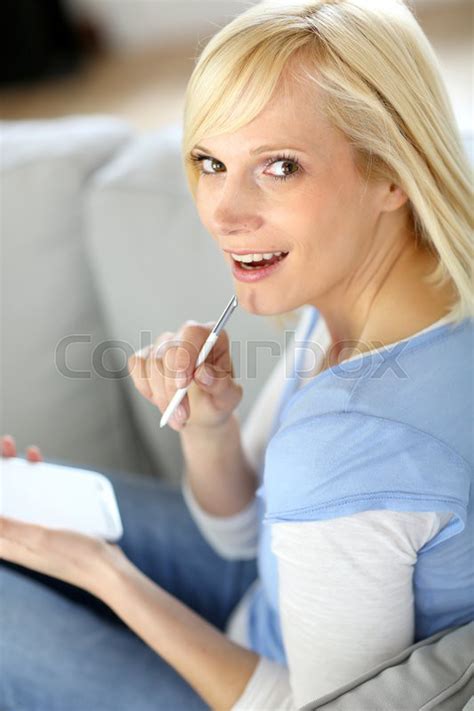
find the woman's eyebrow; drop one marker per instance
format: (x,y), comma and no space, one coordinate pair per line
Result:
(259,149)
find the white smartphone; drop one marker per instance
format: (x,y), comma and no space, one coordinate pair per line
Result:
(59,496)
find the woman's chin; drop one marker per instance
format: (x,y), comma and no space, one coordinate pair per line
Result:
(261,305)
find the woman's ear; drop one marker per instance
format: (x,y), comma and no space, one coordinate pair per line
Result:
(394,197)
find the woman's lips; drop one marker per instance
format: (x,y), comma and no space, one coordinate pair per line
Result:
(255,273)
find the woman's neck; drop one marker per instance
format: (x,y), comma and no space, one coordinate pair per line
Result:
(404,305)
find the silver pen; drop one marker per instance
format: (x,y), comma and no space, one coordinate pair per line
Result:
(203,353)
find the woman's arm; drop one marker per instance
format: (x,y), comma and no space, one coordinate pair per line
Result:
(235,536)
(216,468)
(232,537)
(346,602)
(217,668)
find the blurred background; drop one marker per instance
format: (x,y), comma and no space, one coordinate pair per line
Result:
(101,246)
(133,58)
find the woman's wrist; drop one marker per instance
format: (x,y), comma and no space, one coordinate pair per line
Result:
(109,573)
(220,476)
(219,432)
(216,667)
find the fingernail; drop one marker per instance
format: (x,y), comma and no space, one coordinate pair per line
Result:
(205,377)
(143,352)
(181,380)
(180,412)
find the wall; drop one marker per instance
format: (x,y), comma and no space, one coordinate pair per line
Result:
(131,24)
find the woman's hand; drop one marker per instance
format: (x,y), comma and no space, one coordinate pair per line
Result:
(84,561)
(155,372)
(217,668)
(8,449)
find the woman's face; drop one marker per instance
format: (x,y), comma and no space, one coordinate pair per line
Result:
(324,214)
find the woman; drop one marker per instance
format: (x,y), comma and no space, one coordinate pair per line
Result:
(362,190)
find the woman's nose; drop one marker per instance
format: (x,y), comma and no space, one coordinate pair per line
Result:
(233,218)
(236,208)
(236,225)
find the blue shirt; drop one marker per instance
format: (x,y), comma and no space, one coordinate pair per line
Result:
(391,429)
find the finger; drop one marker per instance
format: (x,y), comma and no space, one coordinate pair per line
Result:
(175,364)
(192,337)
(138,371)
(177,422)
(164,391)
(8,446)
(225,391)
(220,355)
(33,454)
(159,371)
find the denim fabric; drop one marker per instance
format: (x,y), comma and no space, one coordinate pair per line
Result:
(62,649)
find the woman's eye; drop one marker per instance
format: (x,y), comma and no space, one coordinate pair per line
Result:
(201,160)
(214,165)
(290,166)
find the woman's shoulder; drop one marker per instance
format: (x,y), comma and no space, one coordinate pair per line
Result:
(397,439)
(408,384)
(338,463)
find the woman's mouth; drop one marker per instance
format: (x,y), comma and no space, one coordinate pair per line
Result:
(256,270)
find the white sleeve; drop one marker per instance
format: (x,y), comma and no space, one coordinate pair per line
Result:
(346,602)
(236,536)
(232,537)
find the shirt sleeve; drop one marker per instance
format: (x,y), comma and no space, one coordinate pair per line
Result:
(346,602)
(233,537)
(343,463)
(236,536)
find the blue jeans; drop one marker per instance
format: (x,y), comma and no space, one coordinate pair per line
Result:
(62,649)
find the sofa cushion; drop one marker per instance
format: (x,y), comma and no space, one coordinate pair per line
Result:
(54,395)
(436,673)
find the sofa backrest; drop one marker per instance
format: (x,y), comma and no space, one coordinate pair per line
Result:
(435,674)
(53,394)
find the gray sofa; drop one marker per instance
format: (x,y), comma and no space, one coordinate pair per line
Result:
(102,250)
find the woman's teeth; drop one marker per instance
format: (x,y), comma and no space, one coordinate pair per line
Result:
(254,257)
(253,261)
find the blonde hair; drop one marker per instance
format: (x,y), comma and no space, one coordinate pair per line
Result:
(382,88)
